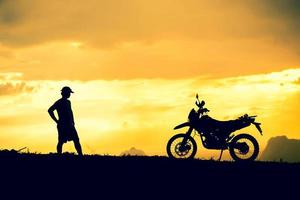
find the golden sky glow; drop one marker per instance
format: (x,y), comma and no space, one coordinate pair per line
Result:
(114,115)
(136,65)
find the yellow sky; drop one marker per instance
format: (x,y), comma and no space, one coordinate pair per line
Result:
(136,65)
(112,116)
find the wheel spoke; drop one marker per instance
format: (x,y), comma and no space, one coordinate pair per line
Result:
(249,151)
(177,151)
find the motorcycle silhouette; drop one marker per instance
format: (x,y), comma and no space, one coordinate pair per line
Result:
(216,135)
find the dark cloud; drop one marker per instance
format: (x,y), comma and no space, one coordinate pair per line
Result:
(12,17)
(103,23)
(285,15)
(10,12)
(150,39)
(283,8)
(9,88)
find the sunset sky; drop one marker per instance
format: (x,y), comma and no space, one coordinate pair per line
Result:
(136,65)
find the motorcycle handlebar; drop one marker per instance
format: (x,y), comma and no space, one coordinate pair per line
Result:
(253,116)
(257,125)
(201,105)
(203,110)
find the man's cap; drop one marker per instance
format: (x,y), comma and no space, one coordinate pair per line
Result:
(67,89)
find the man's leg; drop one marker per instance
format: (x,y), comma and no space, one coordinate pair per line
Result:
(59,147)
(77,146)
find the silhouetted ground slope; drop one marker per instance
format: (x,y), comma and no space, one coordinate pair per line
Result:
(282,148)
(143,177)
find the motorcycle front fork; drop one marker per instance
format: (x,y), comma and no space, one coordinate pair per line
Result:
(188,134)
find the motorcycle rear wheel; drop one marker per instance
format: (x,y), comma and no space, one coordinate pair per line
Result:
(175,150)
(238,148)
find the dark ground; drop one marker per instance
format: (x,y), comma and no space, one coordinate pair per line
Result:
(144,177)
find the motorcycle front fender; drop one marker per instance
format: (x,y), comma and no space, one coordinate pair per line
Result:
(257,125)
(182,125)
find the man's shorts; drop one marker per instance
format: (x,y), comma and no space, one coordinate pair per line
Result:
(66,133)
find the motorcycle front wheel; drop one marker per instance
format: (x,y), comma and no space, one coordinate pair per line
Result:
(176,149)
(244,147)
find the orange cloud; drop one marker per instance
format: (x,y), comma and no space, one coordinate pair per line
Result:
(11,88)
(146,39)
(103,23)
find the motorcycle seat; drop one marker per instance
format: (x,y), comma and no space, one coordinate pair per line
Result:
(215,122)
(224,126)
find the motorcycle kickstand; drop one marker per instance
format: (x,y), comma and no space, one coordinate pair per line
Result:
(221,155)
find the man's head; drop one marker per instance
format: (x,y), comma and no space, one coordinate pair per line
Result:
(66,92)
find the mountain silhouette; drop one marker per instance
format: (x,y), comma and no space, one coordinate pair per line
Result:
(281,148)
(133,152)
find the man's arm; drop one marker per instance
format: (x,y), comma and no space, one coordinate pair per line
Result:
(51,113)
(72,116)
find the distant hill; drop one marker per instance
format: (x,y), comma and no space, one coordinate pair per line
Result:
(281,148)
(133,152)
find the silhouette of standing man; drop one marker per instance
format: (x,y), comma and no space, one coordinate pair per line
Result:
(65,122)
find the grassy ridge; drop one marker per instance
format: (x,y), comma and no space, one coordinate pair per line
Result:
(132,174)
